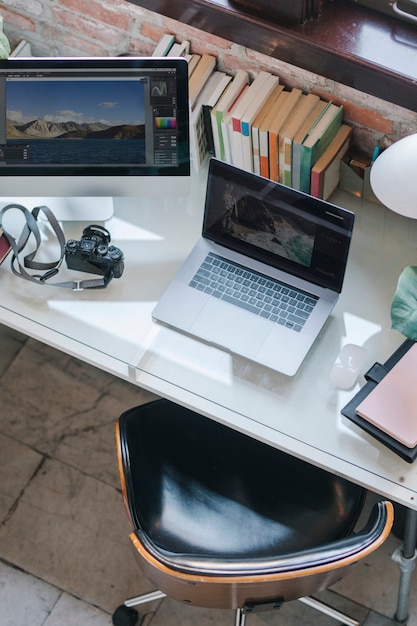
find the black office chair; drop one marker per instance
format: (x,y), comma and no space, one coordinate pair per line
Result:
(221,520)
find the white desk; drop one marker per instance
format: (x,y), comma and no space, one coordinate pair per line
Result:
(113,330)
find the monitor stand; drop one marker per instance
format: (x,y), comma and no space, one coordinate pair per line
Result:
(71,209)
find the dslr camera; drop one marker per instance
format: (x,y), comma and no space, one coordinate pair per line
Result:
(94,254)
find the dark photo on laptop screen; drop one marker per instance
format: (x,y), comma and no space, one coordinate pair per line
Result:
(285,227)
(262,224)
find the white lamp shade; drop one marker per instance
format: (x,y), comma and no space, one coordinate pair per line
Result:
(394,177)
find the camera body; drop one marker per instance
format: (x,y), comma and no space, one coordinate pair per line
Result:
(94,254)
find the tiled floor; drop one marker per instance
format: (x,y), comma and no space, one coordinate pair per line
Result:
(65,558)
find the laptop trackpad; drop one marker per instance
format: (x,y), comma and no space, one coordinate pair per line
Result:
(231,328)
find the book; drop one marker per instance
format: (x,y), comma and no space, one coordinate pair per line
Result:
(199,141)
(205,67)
(303,107)
(317,141)
(179,49)
(392,405)
(262,114)
(248,117)
(218,85)
(23,49)
(163,46)
(275,129)
(226,127)
(232,92)
(235,132)
(299,137)
(193,60)
(325,173)
(264,133)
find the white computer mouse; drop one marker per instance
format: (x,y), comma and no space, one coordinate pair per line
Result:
(348,366)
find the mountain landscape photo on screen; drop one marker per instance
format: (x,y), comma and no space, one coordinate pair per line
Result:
(41,111)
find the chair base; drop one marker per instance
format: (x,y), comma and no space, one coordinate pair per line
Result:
(126,615)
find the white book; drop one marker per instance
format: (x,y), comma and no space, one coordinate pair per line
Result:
(226,127)
(199,147)
(205,67)
(23,49)
(248,118)
(163,46)
(179,49)
(223,80)
(226,102)
(235,133)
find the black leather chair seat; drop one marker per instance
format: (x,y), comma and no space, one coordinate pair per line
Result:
(201,493)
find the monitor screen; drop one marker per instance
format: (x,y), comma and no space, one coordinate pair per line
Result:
(73,129)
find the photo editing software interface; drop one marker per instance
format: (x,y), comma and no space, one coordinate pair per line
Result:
(121,116)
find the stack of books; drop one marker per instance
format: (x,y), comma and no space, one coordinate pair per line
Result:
(259,125)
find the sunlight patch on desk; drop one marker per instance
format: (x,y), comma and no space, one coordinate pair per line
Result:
(186,359)
(122,339)
(359,330)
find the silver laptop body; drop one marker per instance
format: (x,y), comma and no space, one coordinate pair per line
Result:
(266,273)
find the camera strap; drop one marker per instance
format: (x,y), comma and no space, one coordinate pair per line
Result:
(49,269)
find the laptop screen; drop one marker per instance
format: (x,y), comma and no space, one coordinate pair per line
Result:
(277,225)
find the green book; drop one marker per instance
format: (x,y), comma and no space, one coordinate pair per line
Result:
(299,137)
(317,141)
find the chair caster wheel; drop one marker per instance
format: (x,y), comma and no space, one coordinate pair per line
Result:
(125,616)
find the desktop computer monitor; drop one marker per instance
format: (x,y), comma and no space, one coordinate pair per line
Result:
(76,132)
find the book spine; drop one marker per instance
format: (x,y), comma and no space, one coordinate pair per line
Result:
(273,156)
(255,151)
(305,168)
(296,166)
(264,153)
(216,130)
(309,155)
(208,128)
(316,184)
(247,147)
(285,161)
(226,142)
(235,142)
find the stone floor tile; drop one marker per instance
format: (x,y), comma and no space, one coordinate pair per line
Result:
(70,611)
(24,599)
(68,410)
(71,531)
(11,342)
(379,590)
(18,463)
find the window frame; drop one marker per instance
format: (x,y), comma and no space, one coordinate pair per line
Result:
(327,46)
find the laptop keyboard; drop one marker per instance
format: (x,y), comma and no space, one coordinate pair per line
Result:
(254,292)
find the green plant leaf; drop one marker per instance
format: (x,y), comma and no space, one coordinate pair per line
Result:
(404,304)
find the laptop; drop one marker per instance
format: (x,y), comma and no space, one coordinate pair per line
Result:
(265,274)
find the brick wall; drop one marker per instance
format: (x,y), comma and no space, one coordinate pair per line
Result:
(114,27)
